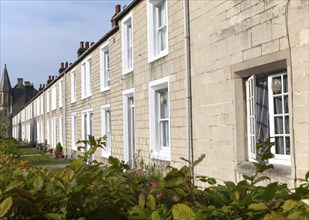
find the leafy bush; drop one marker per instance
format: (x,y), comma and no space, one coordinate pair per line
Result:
(91,190)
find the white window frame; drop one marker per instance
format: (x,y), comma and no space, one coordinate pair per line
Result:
(47,100)
(38,105)
(61,130)
(86,77)
(158,151)
(73,130)
(104,67)
(251,120)
(54,132)
(47,131)
(54,98)
(127,44)
(60,94)
(127,94)
(42,104)
(86,131)
(73,86)
(154,42)
(105,124)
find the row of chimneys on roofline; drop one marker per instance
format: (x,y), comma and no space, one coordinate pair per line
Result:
(83,46)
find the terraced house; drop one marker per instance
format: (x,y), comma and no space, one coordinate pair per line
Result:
(178,79)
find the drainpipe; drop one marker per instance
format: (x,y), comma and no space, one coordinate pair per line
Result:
(292,84)
(189,145)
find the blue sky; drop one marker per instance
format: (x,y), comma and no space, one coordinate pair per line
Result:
(36,36)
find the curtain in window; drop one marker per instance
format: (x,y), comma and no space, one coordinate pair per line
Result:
(262,109)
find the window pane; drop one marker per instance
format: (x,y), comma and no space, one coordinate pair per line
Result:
(285,83)
(277,85)
(262,109)
(278,105)
(287,143)
(286,125)
(279,144)
(163,104)
(279,125)
(164,133)
(163,38)
(162,15)
(286,104)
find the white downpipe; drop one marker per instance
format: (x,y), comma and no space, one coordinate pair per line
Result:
(188,82)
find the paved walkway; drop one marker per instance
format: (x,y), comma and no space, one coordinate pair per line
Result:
(54,166)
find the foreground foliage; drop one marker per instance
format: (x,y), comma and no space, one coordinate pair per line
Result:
(89,190)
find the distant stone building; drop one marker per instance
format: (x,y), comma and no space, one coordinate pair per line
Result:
(12,100)
(5,104)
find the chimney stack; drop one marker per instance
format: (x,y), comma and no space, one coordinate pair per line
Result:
(117,11)
(81,49)
(20,81)
(61,69)
(49,79)
(87,44)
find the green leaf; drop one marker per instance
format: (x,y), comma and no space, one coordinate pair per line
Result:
(288,205)
(261,178)
(141,200)
(38,182)
(198,160)
(156,216)
(182,212)
(274,216)
(152,202)
(270,191)
(14,184)
(5,206)
(258,206)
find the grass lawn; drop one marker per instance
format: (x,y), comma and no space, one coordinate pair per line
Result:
(44,160)
(23,150)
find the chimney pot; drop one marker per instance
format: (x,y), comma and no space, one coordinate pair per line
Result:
(92,43)
(117,9)
(81,44)
(62,65)
(87,45)
(49,77)
(66,64)
(20,81)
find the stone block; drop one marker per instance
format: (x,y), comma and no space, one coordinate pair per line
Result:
(252,53)
(270,47)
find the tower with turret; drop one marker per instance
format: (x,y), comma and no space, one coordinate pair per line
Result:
(6,99)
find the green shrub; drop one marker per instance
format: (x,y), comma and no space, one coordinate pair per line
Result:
(90,190)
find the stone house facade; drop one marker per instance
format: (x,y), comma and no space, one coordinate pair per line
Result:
(178,79)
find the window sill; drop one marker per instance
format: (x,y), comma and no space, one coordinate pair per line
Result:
(280,172)
(157,155)
(105,89)
(159,56)
(127,71)
(85,97)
